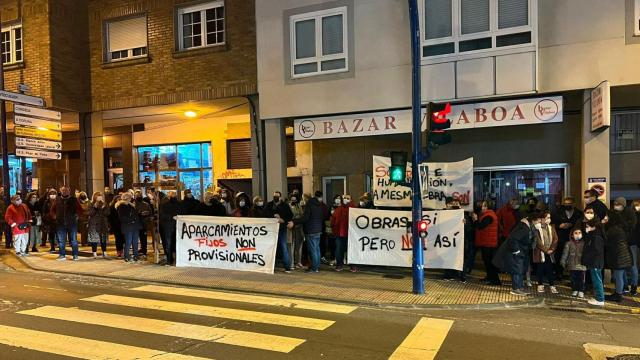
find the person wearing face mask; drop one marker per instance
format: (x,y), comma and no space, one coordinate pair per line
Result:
(114,225)
(189,203)
(565,219)
(297,233)
(258,210)
(108,195)
(448,274)
(280,210)
(243,205)
(486,239)
(169,209)
(83,217)
(98,224)
(18,217)
(593,259)
(591,200)
(225,199)
(275,201)
(312,220)
(507,219)
(634,245)
(572,261)
(340,228)
(211,206)
(36,222)
(627,214)
(617,254)
(130,225)
(49,222)
(66,210)
(543,253)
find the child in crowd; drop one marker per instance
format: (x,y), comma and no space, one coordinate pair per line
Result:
(572,261)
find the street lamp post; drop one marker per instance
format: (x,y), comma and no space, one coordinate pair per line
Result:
(416,153)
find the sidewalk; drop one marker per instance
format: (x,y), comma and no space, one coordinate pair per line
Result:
(370,286)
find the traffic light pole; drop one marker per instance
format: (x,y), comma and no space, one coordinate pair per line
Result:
(416,153)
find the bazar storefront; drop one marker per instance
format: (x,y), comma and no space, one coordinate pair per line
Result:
(539,157)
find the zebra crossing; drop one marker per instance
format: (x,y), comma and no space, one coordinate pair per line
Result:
(131,315)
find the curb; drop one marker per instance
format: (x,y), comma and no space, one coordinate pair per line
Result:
(514,305)
(593,310)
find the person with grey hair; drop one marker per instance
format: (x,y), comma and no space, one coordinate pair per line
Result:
(65,212)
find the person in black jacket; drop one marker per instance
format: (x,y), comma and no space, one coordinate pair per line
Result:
(258,209)
(65,212)
(617,255)
(313,222)
(211,206)
(130,225)
(593,258)
(169,209)
(591,199)
(634,242)
(189,205)
(35,208)
(565,219)
(279,209)
(114,225)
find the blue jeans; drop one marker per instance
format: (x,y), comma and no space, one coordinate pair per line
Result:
(131,241)
(284,249)
(598,287)
(341,247)
(313,245)
(620,276)
(72,233)
(517,277)
(634,266)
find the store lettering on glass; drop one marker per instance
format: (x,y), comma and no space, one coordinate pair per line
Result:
(359,125)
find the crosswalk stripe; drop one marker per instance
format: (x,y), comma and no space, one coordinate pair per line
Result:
(255,299)
(424,341)
(604,352)
(80,348)
(162,327)
(213,311)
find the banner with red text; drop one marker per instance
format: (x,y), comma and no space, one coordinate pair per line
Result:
(453,179)
(379,237)
(233,243)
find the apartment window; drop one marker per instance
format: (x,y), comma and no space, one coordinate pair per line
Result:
(12,44)
(625,132)
(636,18)
(201,25)
(126,39)
(464,26)
(319,42)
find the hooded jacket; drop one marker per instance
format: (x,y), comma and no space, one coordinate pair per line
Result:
(312,218)
(18,215)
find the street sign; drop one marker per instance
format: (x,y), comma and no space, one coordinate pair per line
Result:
(39,123)
(37,112)
(21,98)
(38,154)
(38,133)
(38,144)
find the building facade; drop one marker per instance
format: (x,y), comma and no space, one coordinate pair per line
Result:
(322,63)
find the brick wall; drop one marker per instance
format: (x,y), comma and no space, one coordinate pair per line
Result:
(170,76)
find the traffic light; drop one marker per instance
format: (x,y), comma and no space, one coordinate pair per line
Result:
(439,123)
(422,229)
(398,168)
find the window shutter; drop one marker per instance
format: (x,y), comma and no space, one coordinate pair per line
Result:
(239,154)
(127,34)
(513,13)
(305,39)
(474,16)
(332,35)
(291,152)
(437,18)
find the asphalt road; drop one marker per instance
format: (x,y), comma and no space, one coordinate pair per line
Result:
(50,316)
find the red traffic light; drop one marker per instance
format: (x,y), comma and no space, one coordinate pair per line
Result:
(422,225)
(440,117)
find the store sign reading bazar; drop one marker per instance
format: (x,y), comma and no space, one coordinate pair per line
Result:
(379,123)
(507,113)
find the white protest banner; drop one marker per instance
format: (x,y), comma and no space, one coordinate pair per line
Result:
(379,237)
(244,244)
(454,179)
(447,179)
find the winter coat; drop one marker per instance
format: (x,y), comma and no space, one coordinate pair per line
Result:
(215,208)
(593,251)
(487,230)
(572,256)
(168,209)
(519,241)
(18,215)
(507,220)
(83,216)
(635,234)
(564,235)
(630,220)
(98,223)
(312,218)
(259,212)
(283,210)
(340,221)
(128,216)
(36,213)
(114,221)
(190,206)
(546,240)
(145,213)
(599,208)
(48,221)
(297,232)
(616,249)
(66,211)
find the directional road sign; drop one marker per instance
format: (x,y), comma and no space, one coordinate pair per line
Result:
(38,144)
(38,154)
(21,98)
(38,133)
(37,112)
(39,123)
